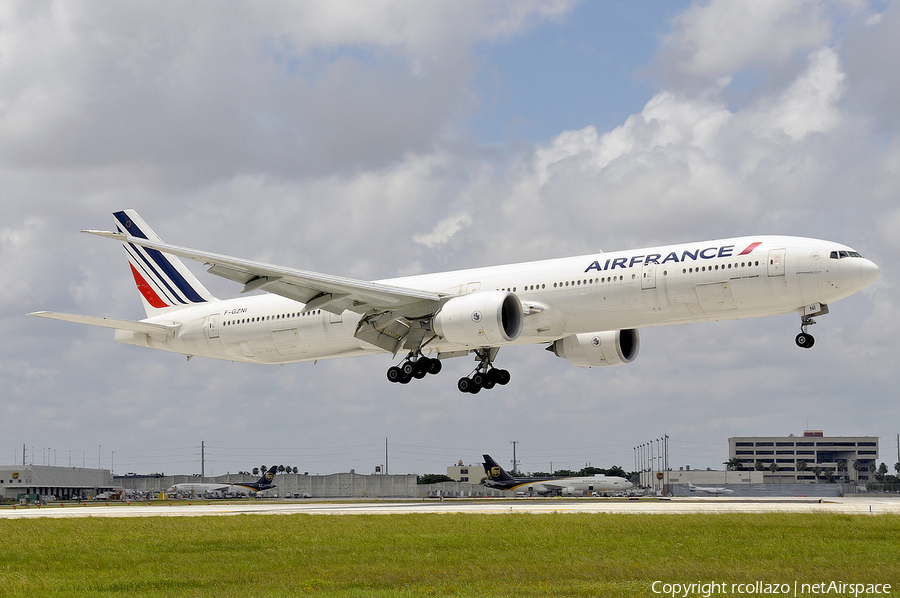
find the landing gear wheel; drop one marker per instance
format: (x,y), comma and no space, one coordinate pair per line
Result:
(408,368)
(464,385)
(421,370)
(434,366)
(805,340)
(394,374)
(502,377)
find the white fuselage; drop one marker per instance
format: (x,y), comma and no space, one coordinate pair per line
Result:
(584,485)
(695,282)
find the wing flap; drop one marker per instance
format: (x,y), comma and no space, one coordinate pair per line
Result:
(151,329)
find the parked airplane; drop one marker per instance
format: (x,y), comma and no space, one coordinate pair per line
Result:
(714,491)
(197,488)
(497,477)
(587,309)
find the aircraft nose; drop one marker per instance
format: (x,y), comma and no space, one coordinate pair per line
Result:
(868,271)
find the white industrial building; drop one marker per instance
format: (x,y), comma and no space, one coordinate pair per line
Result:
(34,482)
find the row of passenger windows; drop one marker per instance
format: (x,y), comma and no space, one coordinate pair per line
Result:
(268,318)
(620,278)
(716,267)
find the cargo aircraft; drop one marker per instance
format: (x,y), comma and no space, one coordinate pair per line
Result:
(586,309)
(497,477)
(198,488)
(709,490)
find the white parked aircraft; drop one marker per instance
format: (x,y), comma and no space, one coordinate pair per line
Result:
(497,477)
(198,488)
(587,309)
(708,490)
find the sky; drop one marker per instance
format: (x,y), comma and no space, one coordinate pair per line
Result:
(395,137)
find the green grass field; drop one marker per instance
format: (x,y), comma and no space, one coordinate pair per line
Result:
(440,555)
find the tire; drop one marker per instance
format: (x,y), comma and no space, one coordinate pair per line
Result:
(434,366)
(394,374)
(503,377)
(804,340)
(408,368)
(478,379)
(464,385)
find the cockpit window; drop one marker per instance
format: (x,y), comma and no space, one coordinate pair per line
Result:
(839,255)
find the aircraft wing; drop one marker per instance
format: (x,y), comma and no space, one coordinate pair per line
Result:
(163,330)
(317,291)
(552,486)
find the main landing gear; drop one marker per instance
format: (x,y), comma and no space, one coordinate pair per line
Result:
(415,366)
(485,374)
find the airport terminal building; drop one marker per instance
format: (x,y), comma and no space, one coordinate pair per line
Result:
(810,458)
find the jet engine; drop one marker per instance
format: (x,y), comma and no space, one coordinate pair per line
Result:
(482,319)
(598,349)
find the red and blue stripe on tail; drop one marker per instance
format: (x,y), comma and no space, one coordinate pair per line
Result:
(163,280)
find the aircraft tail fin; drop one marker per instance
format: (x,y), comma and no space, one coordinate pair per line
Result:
(494,472)
(162,279)
(267,476)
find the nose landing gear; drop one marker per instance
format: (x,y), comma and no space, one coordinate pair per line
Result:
(805,340)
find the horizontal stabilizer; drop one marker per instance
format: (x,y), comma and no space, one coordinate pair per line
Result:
(131,325)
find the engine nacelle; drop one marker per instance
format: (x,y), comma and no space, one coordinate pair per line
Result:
(482,319)
(599,349)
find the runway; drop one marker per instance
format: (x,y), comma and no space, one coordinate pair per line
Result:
(851,505)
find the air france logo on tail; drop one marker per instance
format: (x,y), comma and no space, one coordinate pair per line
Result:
(162,279)
(657,258)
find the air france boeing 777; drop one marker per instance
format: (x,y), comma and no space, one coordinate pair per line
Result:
(587,309)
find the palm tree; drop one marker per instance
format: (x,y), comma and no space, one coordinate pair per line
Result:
(842,469)
(817,471)
(801,466)
(734,464)
(773,467)
(856,465)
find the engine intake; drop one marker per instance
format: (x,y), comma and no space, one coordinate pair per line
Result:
(599,349)
(482,319)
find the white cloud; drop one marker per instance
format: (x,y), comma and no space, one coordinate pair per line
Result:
(809,105)
(444,231)
(722,38)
